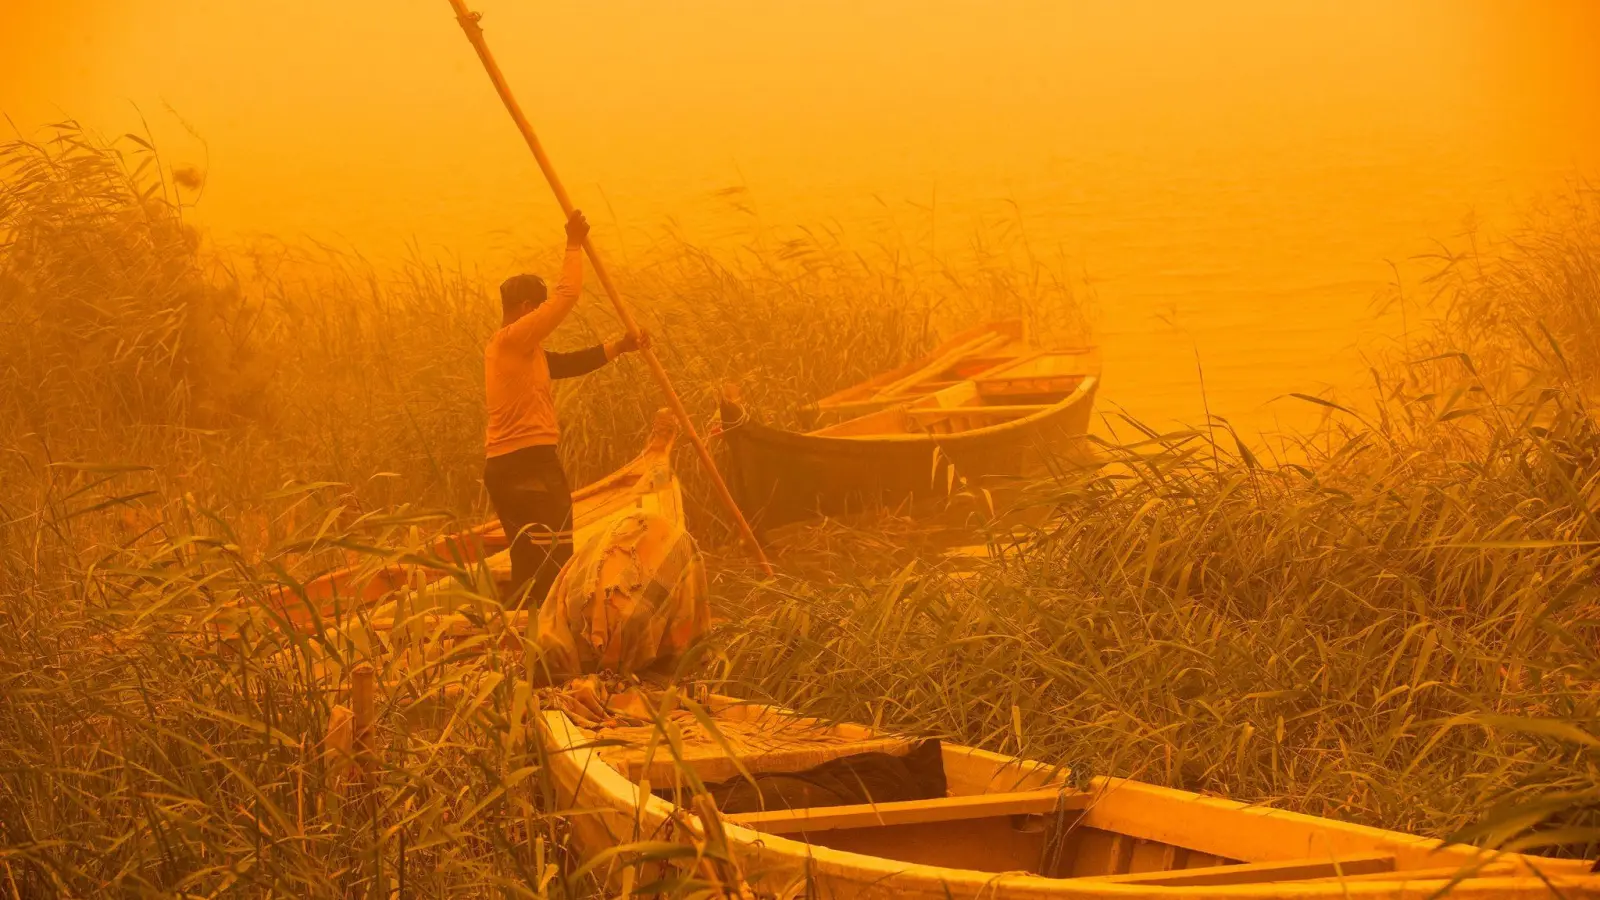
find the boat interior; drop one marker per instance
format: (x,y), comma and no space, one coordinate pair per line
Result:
(836,786)
(963,357)
(1010,390)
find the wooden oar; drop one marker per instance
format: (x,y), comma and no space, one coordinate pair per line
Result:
(469,24)
(970,348)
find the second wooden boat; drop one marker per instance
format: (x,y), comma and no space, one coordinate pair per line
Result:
(646,483)
(984,407)
(957,822)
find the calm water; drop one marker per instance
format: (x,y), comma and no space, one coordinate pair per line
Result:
(1232,178)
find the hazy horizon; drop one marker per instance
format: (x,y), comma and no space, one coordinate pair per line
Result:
(1205,169)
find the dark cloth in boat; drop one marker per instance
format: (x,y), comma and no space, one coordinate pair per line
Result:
(530,493)
(848,780)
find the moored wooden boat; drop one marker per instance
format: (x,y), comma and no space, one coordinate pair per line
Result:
(983,407)
(988,826)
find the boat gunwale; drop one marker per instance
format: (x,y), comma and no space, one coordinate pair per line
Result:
(1084,392)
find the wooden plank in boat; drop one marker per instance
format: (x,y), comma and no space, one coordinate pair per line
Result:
(911,812)
(1240,831)
(970,771)
(710,763)
(985,847)
(869,393)
(1123,849)
(943,362)
(1442,873)
(1016,410)
(1042,364)
(1254,873)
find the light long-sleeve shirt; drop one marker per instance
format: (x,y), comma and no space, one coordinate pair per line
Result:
(517,370)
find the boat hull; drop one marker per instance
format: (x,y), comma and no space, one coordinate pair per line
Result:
(780,476)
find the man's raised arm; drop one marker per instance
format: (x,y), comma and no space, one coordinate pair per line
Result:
(531,330)
(582,362)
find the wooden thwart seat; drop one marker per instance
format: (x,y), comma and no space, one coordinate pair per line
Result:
(912,812)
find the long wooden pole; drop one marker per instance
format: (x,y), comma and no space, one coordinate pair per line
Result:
(469,24)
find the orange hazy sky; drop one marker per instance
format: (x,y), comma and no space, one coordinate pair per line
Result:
(1209,165)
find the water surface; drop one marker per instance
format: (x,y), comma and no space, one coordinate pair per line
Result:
(1233,179)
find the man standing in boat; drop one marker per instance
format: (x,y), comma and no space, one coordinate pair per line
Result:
(523,474)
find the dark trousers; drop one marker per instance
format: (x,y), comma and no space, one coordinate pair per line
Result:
(529,491)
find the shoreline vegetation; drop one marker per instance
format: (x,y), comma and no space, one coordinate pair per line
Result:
(1396,628)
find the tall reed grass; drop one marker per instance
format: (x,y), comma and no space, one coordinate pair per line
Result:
(1526,300)
(185,428)
(1397,627)
(1391,620)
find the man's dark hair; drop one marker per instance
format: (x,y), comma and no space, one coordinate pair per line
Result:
(521,289)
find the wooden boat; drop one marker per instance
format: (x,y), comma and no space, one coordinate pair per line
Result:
(630,600)
(648,482)
(989,826)
(984,406)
